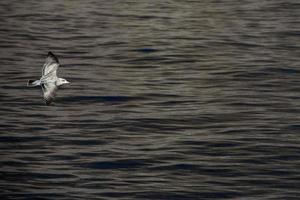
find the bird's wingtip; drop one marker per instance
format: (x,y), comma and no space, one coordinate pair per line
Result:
(48,102)
(50,54)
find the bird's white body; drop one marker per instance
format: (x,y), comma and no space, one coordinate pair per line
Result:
(49,80)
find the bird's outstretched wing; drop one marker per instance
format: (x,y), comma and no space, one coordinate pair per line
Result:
(49,91)
(50,66)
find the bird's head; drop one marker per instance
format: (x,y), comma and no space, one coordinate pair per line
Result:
(62,81)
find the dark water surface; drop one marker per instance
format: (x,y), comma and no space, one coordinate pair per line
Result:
(168,100)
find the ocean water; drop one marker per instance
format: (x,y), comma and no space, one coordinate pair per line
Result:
(168,100)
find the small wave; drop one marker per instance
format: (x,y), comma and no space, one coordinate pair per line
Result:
(119,164)
(95,99)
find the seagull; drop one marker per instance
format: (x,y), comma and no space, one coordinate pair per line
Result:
(49,80)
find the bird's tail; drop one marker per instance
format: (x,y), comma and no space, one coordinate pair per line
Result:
(32,83)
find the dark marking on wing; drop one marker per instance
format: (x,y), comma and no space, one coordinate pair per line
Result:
(51,64)
(52,56)
(49,91)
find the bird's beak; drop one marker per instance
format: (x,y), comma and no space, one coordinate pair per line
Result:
(67,82)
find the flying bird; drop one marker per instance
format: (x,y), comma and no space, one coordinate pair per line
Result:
(49,80)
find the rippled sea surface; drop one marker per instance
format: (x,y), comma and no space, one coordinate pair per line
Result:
(168,100)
